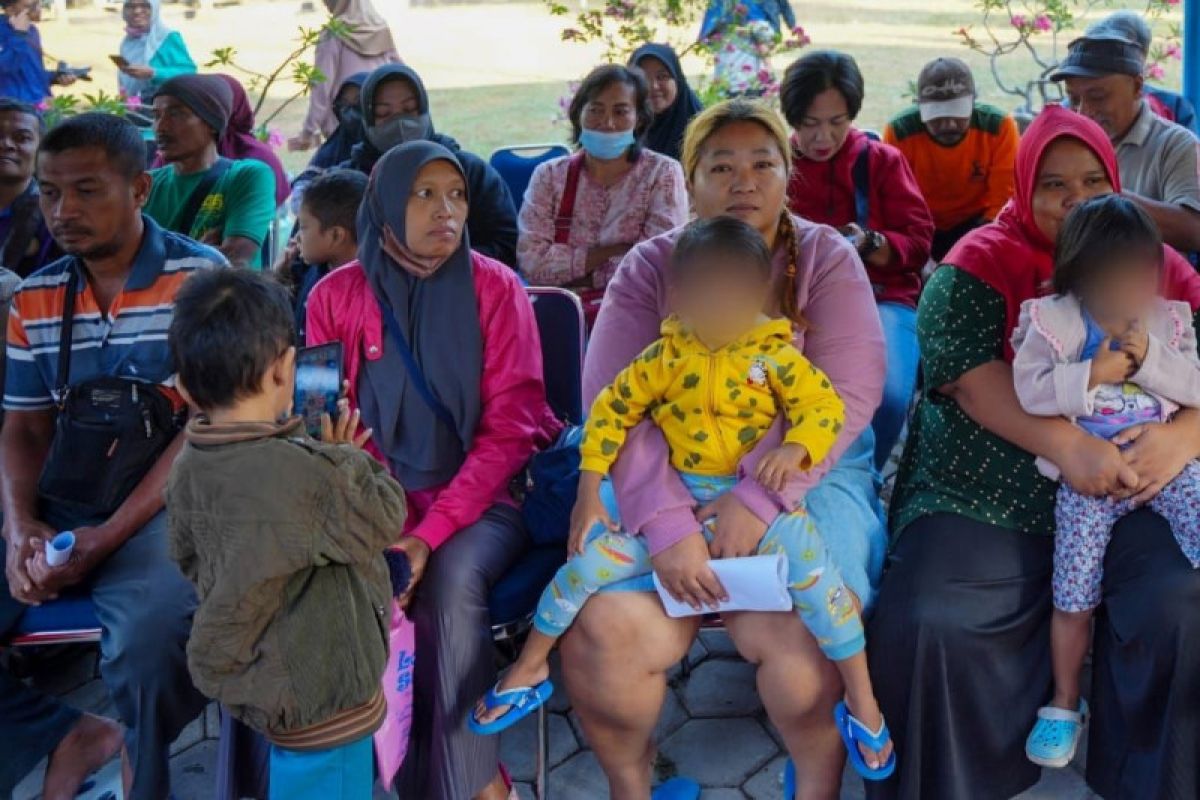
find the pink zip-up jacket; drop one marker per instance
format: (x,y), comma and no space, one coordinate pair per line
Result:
(515,422)
(844,339)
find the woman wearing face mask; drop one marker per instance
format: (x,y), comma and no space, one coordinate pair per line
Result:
(472,334)
(152,52)
(366,44)
(347,107)
(583,212)
(395,109)
(865,189)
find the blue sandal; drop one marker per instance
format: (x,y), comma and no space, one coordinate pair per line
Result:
(789,780)
(855,733)
(1055,735)
(521,700)
(676,789)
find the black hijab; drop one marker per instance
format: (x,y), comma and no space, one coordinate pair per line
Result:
(349,132)
(439,317)
(365,154)
(665,134)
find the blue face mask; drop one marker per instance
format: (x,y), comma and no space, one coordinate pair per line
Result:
(606,146)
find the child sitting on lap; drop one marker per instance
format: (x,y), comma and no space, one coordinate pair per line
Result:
(1108,352)
(714,383)
(283,537)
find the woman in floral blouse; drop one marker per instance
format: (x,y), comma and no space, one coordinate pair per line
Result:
(583,212)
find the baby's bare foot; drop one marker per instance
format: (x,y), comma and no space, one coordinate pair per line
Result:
(91,744)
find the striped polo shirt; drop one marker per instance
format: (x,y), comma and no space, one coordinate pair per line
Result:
(130,341)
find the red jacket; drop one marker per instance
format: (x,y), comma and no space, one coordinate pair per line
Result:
(823,191)
(516,420)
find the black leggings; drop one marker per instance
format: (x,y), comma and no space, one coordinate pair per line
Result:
(959,649)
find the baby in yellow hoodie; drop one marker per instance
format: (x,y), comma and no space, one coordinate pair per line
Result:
(713,383)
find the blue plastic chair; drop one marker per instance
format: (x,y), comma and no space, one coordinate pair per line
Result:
(516,165)
(513,599)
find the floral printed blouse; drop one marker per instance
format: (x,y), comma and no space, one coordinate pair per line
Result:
(648,200)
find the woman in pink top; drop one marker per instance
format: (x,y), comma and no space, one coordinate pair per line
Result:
(368,44)
(582,213)
(736,158)
(471,332)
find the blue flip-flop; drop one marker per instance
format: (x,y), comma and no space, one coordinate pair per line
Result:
(676,789)
(789,780)
(521,700)
(854,733)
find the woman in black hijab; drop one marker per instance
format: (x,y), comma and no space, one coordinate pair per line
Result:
(671,98)
(347,107)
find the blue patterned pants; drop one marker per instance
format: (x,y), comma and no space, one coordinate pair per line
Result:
(1085,527)
(814,581)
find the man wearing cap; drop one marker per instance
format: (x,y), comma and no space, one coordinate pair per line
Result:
(1158,158)
(960,150)
(228,204)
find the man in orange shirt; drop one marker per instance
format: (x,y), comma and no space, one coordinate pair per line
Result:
(960,150)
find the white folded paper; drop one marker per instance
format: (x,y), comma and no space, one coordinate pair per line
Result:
(753,583)
(58,549)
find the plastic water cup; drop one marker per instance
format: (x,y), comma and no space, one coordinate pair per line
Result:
(58,549)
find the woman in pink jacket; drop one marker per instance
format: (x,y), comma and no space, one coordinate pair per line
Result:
(735,157)
(454,442)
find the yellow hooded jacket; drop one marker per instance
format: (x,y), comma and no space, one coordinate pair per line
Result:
(714,406)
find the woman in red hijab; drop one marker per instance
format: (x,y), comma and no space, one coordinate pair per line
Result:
(960,639)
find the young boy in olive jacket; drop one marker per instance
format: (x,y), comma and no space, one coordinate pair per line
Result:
(283,537)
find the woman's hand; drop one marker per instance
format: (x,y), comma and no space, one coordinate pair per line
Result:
(1094,467)
(345,429)
(139,72)
(418,552)
(305,141)
(684,572)
(781,465)
(1157,454)
(736,531)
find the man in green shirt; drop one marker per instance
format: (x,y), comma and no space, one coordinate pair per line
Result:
(227,204)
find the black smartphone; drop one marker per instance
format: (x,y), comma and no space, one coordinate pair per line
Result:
(318,384)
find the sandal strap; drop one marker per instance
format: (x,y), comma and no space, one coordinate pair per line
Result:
(516,697)
(1055,714)
(876,740)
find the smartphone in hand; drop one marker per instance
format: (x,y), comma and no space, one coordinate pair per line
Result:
(120,61)
(318,384)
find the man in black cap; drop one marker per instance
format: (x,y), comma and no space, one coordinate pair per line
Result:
(960,150)
(228,204)
(1158,159)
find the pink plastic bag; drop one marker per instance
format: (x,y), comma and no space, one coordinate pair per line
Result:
(391,740)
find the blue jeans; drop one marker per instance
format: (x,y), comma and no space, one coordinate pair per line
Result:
(903,356)
(145,607)
(337,773)
(845,504)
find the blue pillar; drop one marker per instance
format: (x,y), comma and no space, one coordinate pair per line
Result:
(1191,51)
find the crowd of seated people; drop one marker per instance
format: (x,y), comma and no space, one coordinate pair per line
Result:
(781,293)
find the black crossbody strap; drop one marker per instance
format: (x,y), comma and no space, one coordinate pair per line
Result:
(191,209)
(67,331)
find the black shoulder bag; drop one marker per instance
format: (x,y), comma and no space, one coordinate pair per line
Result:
(109,432)
(191,209)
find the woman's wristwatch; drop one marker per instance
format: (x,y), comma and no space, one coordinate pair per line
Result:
(872,241)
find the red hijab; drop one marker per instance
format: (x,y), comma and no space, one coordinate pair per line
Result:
(239,142)
(1014,257)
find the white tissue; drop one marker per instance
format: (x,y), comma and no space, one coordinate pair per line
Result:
(753,583)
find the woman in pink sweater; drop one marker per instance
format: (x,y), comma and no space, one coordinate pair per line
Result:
(735,158)
(471,332)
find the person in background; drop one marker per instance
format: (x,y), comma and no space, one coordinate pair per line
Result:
(326,238)
(395,111)
(960,151)
(347,107)
(240,142)
(153,52)
(474,343)
(672,100)
(25,241)
(1160,160)
(1132,26)
(741,29)
(865,189)
(365,46)
(582,213)
(91,170)
(287,530)
(237,204)
(23,75)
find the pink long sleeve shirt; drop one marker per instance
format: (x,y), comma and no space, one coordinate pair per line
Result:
(844,339)
(516,420)
(648,200)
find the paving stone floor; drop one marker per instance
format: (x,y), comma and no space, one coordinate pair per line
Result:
(712,729)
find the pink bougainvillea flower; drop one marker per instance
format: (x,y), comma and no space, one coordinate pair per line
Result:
(1155,72)
(747,68)
(133,102)
(764,75)
(1173,50)
(1018,21)
(1042,23)
(43,105)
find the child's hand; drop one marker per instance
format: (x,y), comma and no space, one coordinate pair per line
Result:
(345,429)
(1136,343)
(283,264)
(1110,366)
(780,465)
(588,511)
